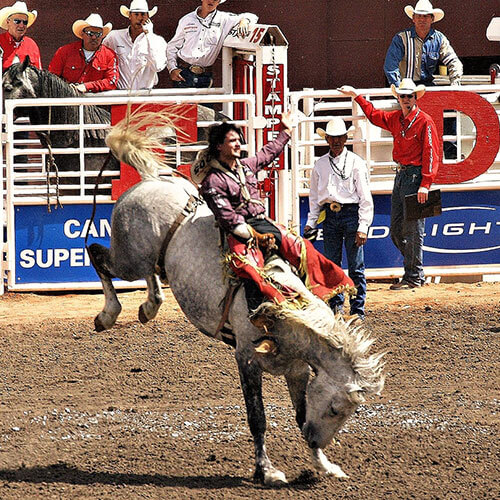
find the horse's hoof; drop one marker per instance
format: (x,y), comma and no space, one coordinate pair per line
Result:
(142,315)
(335,471)
(98,326)
(275,478)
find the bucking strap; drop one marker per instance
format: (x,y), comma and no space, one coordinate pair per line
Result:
(227,301)
(160,263)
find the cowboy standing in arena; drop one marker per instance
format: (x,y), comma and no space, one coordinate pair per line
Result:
(340,185)
(198,41)
(88,64)
(15,44)
(417,154)
(229,186)
(141,53)
(415,52)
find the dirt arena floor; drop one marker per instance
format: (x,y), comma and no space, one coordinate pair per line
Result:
(156,411)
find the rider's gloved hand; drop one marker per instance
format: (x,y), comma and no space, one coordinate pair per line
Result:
(266,241)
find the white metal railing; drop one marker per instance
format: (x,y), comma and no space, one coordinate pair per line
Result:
(315,107)
(26,183)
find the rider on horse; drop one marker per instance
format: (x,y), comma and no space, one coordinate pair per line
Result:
(229,186)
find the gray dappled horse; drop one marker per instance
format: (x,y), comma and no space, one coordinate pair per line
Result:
(324,360)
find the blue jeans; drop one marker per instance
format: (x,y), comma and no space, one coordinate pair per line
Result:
(340,228)
(203,81)
(408,236)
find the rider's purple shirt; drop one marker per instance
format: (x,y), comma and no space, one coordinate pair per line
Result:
(223,194)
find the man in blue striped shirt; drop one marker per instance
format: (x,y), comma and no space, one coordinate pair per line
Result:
(416,52)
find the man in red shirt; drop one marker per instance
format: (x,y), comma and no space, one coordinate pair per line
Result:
(417,152)
(16,19)
(88,64)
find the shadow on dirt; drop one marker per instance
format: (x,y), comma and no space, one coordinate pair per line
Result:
(64,473)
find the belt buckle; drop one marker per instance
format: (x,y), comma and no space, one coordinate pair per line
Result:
(335,206)
(197,70)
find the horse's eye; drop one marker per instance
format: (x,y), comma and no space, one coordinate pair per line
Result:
(7,87)
(333,412)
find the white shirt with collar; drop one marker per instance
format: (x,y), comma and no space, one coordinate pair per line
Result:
(326,185)
(140,60)
(199,41)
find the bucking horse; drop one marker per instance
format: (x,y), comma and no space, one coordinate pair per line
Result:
(325,361)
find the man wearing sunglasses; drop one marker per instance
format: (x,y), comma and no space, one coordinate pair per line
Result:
(16,20)
(87,64)
(417,152)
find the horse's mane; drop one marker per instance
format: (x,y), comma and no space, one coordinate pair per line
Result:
(317,321)
(50,85)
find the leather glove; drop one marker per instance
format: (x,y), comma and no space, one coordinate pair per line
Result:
(266,241)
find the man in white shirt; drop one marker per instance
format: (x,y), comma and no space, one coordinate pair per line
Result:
(340,186)
(198,41)
(141,53)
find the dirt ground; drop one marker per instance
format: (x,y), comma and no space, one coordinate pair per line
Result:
(156,411)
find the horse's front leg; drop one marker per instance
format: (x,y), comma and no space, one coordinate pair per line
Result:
(297,379)
(324,466)
(149,309)
(112,308)
(251,383)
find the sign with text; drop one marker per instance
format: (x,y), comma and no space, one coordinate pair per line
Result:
(50,248)
(467,233)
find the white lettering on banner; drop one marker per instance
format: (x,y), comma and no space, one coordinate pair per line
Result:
(273,109)
(72,228)
(486,228)
(271,135)
(378,232)
(53,257)
(273,96)
(455,228)
(273,70)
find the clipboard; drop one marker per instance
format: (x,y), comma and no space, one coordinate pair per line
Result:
(413,210)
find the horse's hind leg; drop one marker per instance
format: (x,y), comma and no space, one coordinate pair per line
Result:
(101,261)
(149,309)
(297,379)
(251,383)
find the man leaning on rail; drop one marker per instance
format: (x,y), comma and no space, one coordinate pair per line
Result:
(89,65)
(198,41)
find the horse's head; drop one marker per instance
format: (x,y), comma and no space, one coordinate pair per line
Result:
(16,81)
(330,403)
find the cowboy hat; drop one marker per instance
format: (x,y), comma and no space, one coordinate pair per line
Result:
(17,8)
(335,127)
(93,21)
(424,7)
(138,6)
(407,86)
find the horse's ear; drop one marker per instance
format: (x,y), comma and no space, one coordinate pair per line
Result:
(25,64)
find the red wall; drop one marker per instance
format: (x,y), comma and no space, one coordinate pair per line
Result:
(332,42)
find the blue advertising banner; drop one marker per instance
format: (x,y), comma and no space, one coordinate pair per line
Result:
(50,246)
(466,233)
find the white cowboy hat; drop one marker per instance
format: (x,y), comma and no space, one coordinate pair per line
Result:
(93,21)
(17,8)
(407,86)
(335,127)
(424,7)
(138,6)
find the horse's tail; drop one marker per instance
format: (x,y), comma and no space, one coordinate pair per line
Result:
(138,140)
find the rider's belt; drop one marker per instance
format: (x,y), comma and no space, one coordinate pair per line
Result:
(194,68)
(335,206)
(400,167)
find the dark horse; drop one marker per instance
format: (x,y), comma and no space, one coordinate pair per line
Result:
(21,80)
